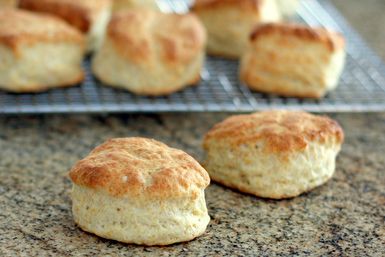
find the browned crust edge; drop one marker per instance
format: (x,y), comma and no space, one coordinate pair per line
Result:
(333,40)
(76,14)
(293,138)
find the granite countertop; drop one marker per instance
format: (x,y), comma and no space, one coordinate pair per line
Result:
(344,217)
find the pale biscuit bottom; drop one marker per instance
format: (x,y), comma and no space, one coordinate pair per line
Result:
(40,66)
(139,221)
(275,176)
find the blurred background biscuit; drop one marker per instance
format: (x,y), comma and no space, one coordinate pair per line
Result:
(293,60)
(230,22)
(38,52)
(151,53)
(89,16)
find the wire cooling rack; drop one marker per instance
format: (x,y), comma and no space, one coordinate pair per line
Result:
(362,86)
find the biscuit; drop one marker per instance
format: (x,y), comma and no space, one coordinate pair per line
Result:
(293,60)
(230,22)
(38,52)
(120,5)
(138,190)
(89,16)
(151,53)
(273,154)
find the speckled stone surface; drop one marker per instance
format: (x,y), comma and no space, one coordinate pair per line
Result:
(343,217)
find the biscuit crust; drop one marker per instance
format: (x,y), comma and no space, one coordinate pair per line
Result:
(18,27)
(140,167)
(80,14)
(333,40)
(281,131)
(134,33)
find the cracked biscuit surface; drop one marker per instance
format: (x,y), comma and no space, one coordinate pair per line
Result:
(141,191)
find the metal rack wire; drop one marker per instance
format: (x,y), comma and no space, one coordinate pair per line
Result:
(362,86)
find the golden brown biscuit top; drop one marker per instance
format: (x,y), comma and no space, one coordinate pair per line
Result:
(333,40)
(142,34)
(280,131)
(79,13)
(17,26)
(140,167)
(244,4)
